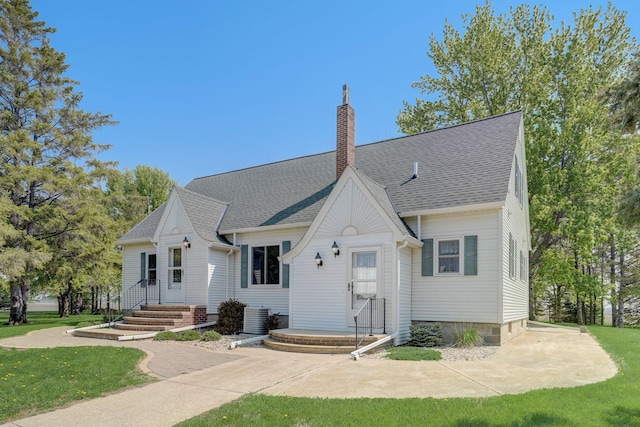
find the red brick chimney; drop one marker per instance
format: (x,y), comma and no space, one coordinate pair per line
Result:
(346,135)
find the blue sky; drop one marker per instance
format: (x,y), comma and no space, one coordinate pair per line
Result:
(202,87)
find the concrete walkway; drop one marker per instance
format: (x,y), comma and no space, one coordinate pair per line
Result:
(195,380)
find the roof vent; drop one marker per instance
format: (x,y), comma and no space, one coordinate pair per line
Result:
(415,171)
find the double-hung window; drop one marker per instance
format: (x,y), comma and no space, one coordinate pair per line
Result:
(449,256)
(175,268)
(512,256)
(518,182)
(151,272)
(265,262)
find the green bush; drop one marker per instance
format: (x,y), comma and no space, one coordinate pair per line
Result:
(272,322)
(230,317)
(188,335)
(210,336)
(165,336)
(425,335)
(467,336)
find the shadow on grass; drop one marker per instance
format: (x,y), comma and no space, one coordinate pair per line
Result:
(537,419)
(624,416)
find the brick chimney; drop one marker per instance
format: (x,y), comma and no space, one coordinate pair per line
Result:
(346,134)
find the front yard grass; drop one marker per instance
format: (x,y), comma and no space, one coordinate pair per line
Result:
(412,353)
(40,379)
(615,402)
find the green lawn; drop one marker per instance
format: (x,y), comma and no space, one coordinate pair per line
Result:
(42,320)
(37,380)
(615,402)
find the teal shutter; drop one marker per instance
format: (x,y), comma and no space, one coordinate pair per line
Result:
(427,257)
(286,247)
(143,265)
(470,255)
(244,266)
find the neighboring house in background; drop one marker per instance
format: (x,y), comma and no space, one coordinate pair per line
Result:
(435,223)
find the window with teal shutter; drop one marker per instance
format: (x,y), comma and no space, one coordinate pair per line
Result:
(470,255)
(427,257)
(244,266)
(286,247)
(143,265)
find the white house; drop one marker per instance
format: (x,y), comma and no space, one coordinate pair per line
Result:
(435,225)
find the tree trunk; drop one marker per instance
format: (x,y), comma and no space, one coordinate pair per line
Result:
(64,302)
(618,320)
(19,300)
(79,304)
(579,311)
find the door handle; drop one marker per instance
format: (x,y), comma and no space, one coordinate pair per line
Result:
(349,287)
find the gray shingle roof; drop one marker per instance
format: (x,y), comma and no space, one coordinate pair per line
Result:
(461,165)
(143,231)
(204,213)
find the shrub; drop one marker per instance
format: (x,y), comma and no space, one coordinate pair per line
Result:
(210,336)
(188,335)
(426,335)
(467,336)
(230,317)
(272,322)
(165,336)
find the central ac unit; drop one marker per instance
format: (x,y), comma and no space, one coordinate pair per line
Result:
(254,318)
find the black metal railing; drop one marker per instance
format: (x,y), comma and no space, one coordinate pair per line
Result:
(370,316)
(143,292)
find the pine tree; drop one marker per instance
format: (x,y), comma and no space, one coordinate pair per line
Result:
(48,157)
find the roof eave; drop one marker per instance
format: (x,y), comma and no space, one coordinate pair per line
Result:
(276,227)
(455,209)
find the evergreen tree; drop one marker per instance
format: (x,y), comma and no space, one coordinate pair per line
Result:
(48,156)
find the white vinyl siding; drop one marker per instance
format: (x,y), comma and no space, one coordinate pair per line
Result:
(515,291)
(404,297)
(458,298)
(274,297)
(217,278)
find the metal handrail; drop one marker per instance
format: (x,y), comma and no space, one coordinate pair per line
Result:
(370,316)
(141,292)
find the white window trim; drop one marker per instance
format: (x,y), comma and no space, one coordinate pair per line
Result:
(436,256)
(171,268)
(250,283)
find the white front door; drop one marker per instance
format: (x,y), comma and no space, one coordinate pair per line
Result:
(176,277)
(365,280)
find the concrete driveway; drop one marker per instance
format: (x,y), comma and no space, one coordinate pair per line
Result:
(196,379)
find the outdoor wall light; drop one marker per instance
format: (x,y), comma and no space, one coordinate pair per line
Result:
(318,260)
(186,243)
(335,249)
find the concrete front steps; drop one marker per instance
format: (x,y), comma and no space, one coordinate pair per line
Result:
(150,319)
(310,341)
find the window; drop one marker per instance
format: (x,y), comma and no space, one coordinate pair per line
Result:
(151,271)
(175,268)
(265,265)
(512,256)
(449,256)
(518,182)
(523,275)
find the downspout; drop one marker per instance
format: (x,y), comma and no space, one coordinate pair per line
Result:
(226,274)
(397,316)
(226,278)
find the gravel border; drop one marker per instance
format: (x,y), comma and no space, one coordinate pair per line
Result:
(449,354)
